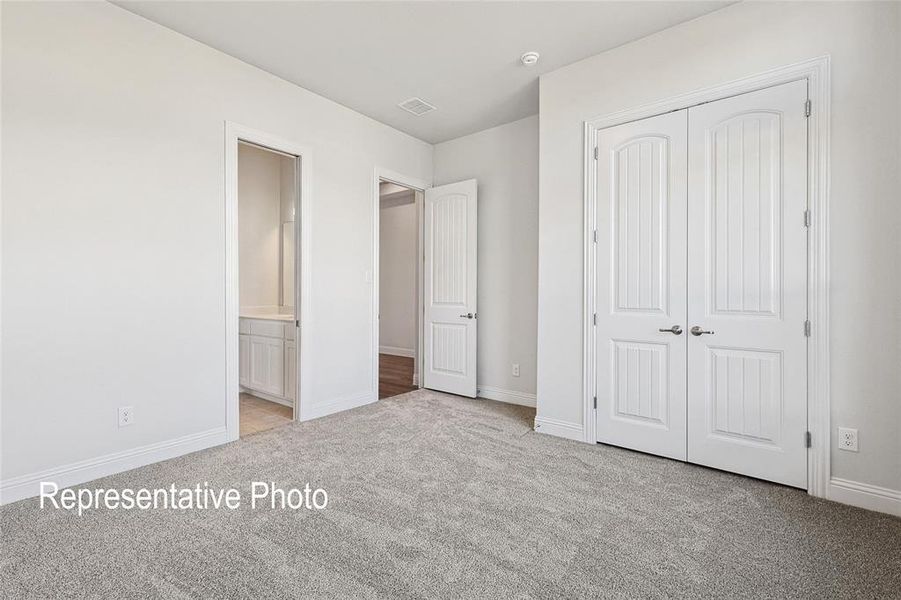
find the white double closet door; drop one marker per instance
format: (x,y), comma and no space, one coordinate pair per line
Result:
(701,285)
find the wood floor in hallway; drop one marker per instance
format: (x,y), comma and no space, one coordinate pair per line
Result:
(395,375)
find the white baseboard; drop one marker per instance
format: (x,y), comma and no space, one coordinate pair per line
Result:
(329,408)
(26,486)
(864,495)
(394,351)
(564,429)
(508,396)
(269,397)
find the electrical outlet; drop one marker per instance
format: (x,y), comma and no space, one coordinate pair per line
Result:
(847,439)
(516,369)
(126,416)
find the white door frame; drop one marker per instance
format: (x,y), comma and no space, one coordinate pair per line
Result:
(420,186)
(817,73)
(235,133)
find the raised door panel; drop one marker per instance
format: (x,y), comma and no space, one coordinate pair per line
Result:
(744,211)
(448,348)
(745,395)
(640,386)
(640,279)
(747,284)
(447,284)
(640,196)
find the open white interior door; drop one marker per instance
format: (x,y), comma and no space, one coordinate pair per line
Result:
(451,235)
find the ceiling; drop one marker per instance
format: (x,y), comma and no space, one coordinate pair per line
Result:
(462,57)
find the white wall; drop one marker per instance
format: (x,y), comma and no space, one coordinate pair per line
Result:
(743,40)
(259,226)
(505,162)
(398,243)
(113,259)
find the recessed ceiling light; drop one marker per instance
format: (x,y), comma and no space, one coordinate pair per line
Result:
(529,58)
(416,106)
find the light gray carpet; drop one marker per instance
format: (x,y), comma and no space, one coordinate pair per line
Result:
(435,496)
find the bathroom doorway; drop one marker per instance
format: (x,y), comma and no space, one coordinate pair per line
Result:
(266,201)
(267,347)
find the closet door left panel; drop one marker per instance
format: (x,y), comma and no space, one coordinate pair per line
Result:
(640,304)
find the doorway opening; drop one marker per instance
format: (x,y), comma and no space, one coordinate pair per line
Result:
(399,269)
(267,185)
(443,350)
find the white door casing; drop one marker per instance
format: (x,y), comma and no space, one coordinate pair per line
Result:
(235,133)
(244,359)
(747,283)
(290,370)
(641,280)
(449,282)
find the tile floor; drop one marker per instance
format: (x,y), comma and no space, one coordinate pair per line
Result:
(259,415)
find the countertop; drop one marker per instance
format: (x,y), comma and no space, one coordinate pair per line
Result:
(267,316)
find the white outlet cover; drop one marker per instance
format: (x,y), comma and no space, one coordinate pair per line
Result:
(847,439)
(126,416)
(515,369)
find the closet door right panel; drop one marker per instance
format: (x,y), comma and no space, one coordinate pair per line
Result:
(747,284)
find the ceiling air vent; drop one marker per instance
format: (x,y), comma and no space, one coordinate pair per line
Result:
(416,106)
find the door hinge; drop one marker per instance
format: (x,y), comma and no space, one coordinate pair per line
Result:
(595,402)
(297,323)
(808,107)
(594,236)
(595,152)
(806,217)
(808,439)
(807,328)
(594,319)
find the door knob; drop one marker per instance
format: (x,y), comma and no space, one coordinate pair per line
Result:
(467,316)
(675,329)
(698,331)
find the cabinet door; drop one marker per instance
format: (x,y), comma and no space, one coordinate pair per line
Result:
(267,365)
(290,369)
(244,360)
(275,364)
(259,363)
